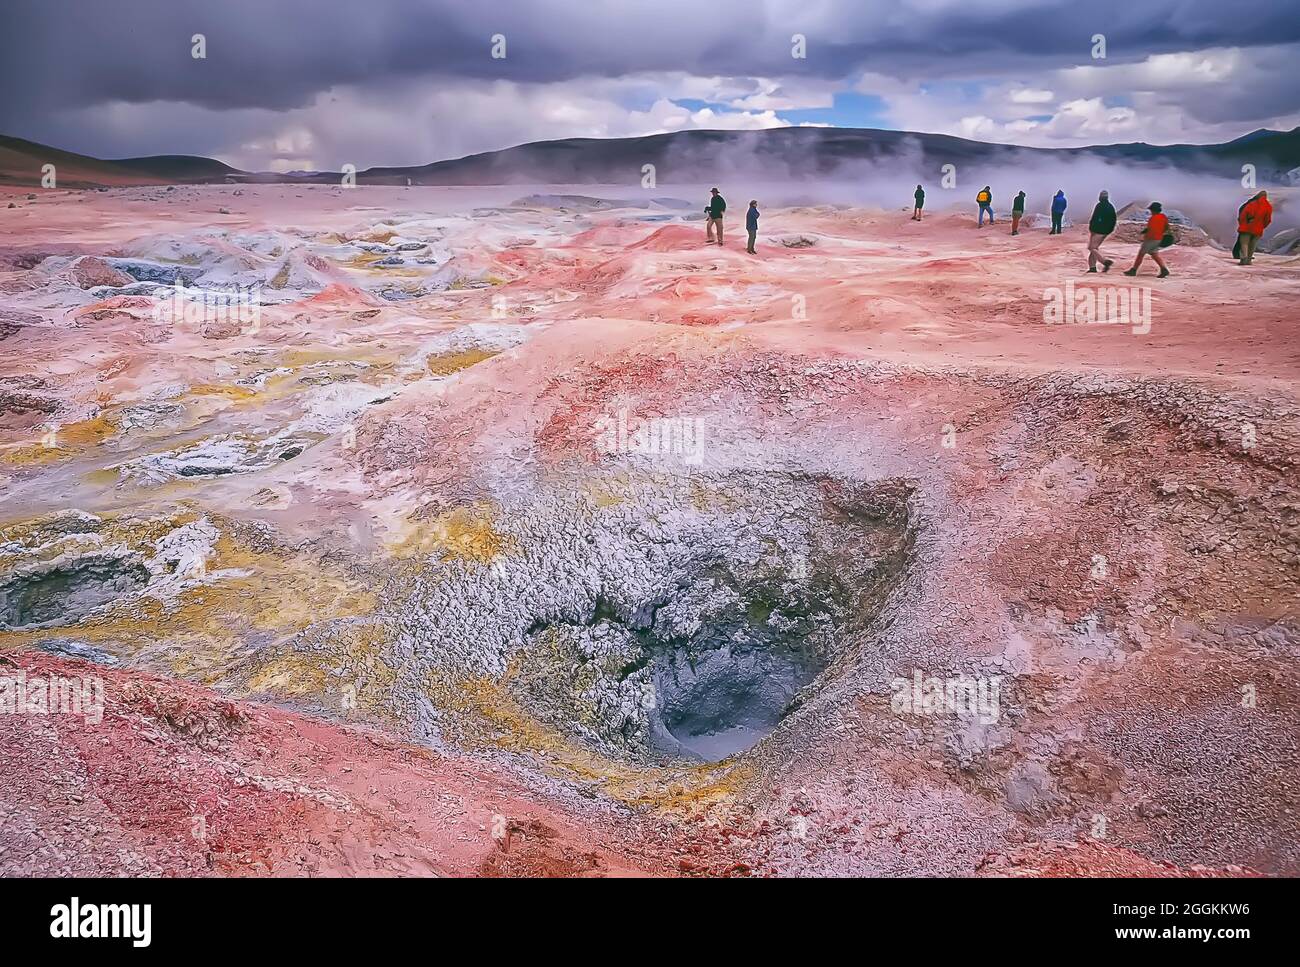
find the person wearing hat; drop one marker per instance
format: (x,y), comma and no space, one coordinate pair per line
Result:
(717,205)
(1100,225)
(1157,226)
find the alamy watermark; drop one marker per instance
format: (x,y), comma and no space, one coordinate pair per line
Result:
(236,307)
(972,697)
(1098,305)
(656,436)
(52,695)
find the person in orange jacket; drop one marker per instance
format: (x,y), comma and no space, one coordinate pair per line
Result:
(1157,226)
(1252,219)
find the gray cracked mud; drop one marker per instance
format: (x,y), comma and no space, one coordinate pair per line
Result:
(653,618)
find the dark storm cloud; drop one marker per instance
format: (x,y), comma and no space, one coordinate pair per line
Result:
(279,54)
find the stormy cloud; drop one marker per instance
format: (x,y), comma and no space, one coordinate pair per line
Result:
(314,83)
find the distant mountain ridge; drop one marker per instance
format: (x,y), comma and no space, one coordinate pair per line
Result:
(22,163)
(677,157)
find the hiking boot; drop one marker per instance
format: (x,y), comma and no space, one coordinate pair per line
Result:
(1093,270)
(1106,264)
(1131,272)
(1163,273)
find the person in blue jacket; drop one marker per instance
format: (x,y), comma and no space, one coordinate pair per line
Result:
(1058,212)
(751,226)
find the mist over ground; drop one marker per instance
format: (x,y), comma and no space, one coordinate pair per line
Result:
(1209,201)
(807,168)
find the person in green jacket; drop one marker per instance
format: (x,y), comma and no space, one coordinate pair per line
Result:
(1100,225)
(919,198)
(1017,212)
(717,205)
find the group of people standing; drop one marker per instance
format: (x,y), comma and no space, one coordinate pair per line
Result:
(713,213)
(1252,218)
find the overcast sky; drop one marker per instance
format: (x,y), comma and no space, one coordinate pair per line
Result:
(292,84)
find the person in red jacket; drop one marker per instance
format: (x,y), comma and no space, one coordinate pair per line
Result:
(1252,219)
(1157,226)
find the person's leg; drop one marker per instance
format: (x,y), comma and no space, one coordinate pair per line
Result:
(1240,247)
(1142,251)
(1093,255)
(753,235)
(708,228)
(1105,262)
(1249,250)
(719,231)
(1015,223)
(1155,257)
(981,222)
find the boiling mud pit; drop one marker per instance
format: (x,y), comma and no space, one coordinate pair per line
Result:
(653,618)
(73,566)
(63,594)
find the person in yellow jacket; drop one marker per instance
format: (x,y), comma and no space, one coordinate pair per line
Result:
(985,200)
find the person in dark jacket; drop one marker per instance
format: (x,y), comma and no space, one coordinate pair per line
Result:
(751,226)
(1236,247)
(717,205)
(1100,225)
(1017,212)
(985,200)
(920,203)
(1058,212)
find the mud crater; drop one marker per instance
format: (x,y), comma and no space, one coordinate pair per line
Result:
(64,593)
(704,667)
